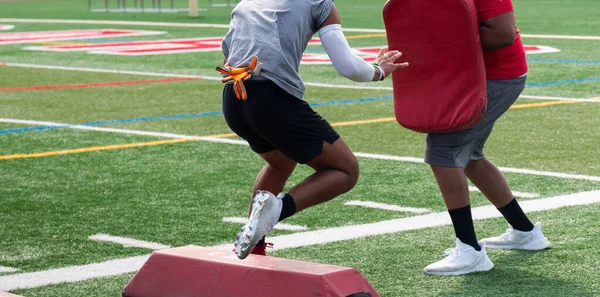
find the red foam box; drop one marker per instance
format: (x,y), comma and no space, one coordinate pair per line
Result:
(193,271)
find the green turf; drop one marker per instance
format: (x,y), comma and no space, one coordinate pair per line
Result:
(177,194)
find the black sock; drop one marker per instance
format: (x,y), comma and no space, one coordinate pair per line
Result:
(289,207)
(515,216)
(463,226)
(261,242)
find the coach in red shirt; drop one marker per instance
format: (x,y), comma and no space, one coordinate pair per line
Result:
(456,156)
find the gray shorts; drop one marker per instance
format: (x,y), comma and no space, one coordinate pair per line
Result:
(457,149)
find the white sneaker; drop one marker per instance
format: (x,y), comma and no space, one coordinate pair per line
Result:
(462,259)
(514,239)
(266,209)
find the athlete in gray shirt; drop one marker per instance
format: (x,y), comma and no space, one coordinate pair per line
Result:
(273,117)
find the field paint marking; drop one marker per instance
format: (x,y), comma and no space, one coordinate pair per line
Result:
(226,26)
(242,142)
(110,147)
(72,274)
(214,78)
(541,104)
(504,169)
(309,238)
(129,242)
(595,100)
(384,206)
(6,27)
(7,269)
(366,36)
(92,85)
(210,137)
(6,294)
(279,226)
(515,193)
(439,219)
(98,70)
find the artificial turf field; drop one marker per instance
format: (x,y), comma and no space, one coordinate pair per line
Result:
(135,146)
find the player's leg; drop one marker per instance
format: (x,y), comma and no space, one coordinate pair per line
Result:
(522,234)
(302,136)
(447,154)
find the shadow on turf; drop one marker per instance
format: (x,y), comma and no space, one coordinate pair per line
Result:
(510,278)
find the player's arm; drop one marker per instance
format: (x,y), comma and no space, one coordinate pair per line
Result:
(345,61)
(498,32)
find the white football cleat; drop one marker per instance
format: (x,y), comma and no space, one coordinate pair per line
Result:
(533,240)
(462,259)
(266,209)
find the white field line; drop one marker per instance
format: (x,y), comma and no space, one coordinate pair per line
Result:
(515,193)
(226,26)
(129,242)
(377,205)
(242,142)
(72,274)
(324,236)
(559,98)
(4,269)
(216,78)
(5,294)
(279,226)
(98,70)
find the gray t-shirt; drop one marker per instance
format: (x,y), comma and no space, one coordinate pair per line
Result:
(277,32)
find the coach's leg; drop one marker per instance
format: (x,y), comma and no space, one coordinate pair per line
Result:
(455,191)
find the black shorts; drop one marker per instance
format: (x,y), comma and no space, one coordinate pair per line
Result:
(272,119)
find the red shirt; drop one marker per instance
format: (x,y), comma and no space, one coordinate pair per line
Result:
(509,62)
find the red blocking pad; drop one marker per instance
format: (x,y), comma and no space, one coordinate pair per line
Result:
(444,88)
(193,271)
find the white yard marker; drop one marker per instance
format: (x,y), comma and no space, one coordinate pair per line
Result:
(4,269)
(324,236)
(242,142)
(377,205)
(129,242)
(515,193)
(279,226)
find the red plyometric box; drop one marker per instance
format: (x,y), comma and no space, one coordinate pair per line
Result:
(193,271)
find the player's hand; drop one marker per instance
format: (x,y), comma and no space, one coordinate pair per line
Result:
(387,61)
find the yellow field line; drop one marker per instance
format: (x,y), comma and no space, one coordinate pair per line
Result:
(109,147)
(361,122)
(363,36)
(179,140)
(541,104)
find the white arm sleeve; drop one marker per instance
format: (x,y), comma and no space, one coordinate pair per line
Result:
(344,60)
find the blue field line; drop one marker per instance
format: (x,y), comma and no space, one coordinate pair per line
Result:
(563,61)
(213,113)
(563,82)
(178,116)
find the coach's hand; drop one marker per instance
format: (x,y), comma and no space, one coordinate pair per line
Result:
(387,61)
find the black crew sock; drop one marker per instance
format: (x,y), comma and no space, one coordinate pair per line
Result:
(515,216)
(463,226)
(289,207)
(261,242)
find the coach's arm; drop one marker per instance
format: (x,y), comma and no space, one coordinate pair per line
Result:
(498,32)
